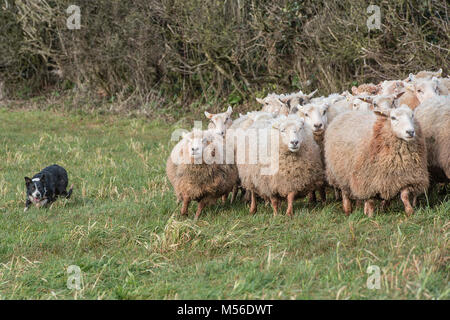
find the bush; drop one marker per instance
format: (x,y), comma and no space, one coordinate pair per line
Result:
(227,51)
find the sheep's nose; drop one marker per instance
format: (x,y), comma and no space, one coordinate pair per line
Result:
(194,149)
(294,143)
(410,133)
(318,125)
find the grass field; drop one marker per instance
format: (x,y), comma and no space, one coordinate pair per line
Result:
(122,228)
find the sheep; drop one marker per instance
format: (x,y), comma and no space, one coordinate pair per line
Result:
(220,122)
(197,171)
(300,168)
(391,87)
(378,154)
(282,104)
(424,75)
(426,88)
(366,88)
(273,104)
(433,116)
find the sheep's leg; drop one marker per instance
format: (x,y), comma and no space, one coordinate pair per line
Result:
(201,205)
(185,207)
(274,202)
(369,208)
(233,194)
(414,201)
(404,195)
(323,194)
(247,196)
(290,208)
(346,203)
(312,197)
(337,194)
(385,204)
(253,206)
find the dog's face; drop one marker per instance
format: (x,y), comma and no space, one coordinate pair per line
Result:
(35,189)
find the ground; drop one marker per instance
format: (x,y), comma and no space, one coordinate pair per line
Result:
(122,228)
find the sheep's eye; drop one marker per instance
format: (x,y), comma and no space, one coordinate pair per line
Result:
(419,91)
(283,130)
(393,118)
(306,115)
(324,111)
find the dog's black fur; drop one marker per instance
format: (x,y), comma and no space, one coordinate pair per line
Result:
(46,186)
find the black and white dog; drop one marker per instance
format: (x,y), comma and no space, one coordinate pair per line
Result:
(46,185)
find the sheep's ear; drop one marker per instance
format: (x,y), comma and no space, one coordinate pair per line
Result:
(354,90)
(312,93)
(439,72)
(366,99)
(411,77)
(27,181)
(259,100)
(398,95)
(284,100)
(229,110)
(381,112)
(326,106)
(208,115)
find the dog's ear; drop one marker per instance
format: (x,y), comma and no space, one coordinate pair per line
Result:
(43,178)
(27,181)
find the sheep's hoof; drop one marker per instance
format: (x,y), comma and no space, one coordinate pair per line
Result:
(409,211)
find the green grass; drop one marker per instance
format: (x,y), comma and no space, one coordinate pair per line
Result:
(122,228)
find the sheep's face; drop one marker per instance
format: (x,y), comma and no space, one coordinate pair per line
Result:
(221,121)
(391,87)
(196,143)
(291,132)
(383,102)
(359,104)
(273,105)
(315,116)
(426,89)
(402,122)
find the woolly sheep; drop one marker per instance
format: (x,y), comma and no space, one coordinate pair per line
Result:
(282,104)
(433,116)
(378,154)
(220,122)
(197,171)
(300,168)
(366,88)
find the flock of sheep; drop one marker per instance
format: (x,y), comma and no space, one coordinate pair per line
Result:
(377,142)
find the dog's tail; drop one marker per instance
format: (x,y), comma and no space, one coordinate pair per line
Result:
(68,194)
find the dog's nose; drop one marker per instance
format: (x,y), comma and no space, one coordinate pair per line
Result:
(410,133)
(318,125)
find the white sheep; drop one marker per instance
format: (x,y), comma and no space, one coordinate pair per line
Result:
(380,154)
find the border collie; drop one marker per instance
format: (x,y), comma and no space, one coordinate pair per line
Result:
(46,186)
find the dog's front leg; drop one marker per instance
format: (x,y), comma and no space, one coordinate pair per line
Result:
(27,205)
